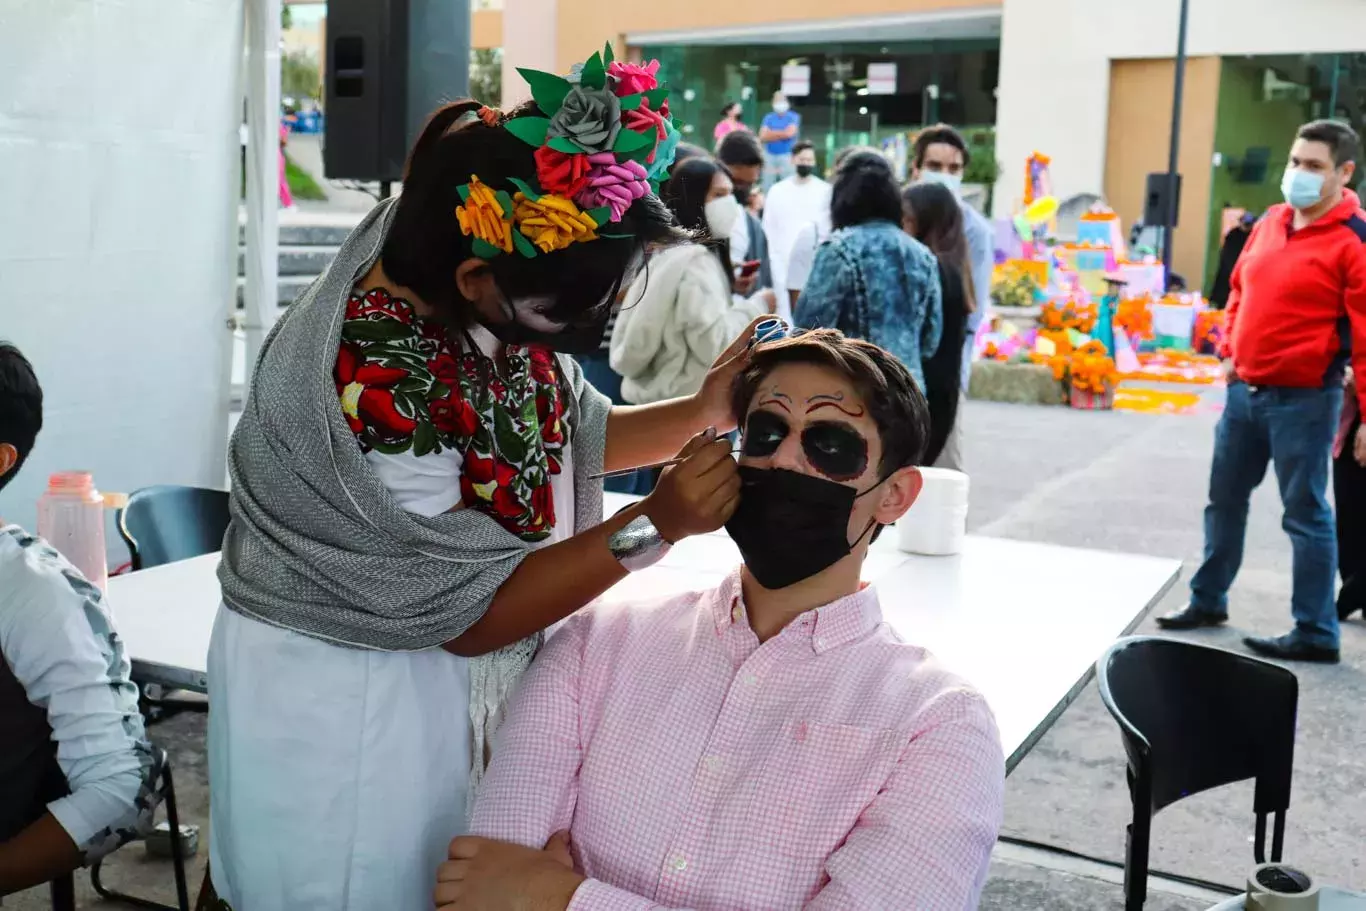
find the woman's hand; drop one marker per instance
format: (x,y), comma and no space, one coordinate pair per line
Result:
(713,399)
(698,495)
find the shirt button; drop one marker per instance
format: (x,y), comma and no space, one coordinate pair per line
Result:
(750,680)
(678,863)
(736,613)
(819,643)
(713,763)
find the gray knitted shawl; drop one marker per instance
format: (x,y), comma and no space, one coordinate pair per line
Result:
(318,545)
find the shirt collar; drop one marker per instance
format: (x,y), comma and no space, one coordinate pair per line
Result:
(824,628)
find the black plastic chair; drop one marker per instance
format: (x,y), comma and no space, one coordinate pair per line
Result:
(1194,718)
(166,789)
(166,523)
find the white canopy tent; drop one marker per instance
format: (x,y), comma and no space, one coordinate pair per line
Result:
(119,182)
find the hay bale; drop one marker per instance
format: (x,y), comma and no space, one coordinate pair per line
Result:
(1018,384)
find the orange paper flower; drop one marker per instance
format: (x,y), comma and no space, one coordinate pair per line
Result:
(483,216)
(553,222)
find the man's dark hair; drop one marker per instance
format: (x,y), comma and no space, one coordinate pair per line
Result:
(864,189)
(21,406)
(425,243)
(802,145)
(894,401)
(684,152)
(939,133)
(1342,141)
(740,148)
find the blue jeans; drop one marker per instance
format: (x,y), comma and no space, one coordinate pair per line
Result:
(599,372)
(1293,430)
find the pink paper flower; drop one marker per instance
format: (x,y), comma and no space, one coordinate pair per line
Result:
(612,183)
(633,78)
(642,119)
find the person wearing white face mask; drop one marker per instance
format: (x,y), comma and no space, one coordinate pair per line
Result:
(680,313)
(778,132)
(1296,318)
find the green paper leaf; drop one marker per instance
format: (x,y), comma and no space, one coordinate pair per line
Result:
(547,89)
(464,190)
(656,97)
(601,215)
(483,249)
(530,130)
(631,102)
(525,189)
(424,439)
(615,236)
(631,141)
(524,245)
(594,74)
(505,201)
(641,154)
(608,55)
(564,144)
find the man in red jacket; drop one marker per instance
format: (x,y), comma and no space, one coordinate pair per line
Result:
(1296,316)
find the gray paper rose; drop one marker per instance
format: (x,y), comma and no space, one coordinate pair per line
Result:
(589,118)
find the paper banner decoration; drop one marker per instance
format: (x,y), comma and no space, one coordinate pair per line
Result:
(1126,359)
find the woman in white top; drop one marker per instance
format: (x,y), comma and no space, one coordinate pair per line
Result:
(411,493)
(680,314)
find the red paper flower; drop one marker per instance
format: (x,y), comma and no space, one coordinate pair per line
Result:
(559,172)
(633,78)
(642,120)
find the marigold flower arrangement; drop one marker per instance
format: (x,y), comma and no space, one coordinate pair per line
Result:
(1134,317)
(607,140)
(1092,370)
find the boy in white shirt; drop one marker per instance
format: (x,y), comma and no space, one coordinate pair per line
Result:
(792,204)
(76,772)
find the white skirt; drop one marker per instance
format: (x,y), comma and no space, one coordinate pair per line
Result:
(337,776)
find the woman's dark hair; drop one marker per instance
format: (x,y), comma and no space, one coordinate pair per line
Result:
(939,225)
(726,108)
(425,245)
(21,406)
(864,189)
(684,152)
(686,196)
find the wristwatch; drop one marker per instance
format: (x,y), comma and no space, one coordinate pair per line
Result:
(638,544)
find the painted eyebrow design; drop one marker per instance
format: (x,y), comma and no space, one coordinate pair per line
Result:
(831,401)
(778,398)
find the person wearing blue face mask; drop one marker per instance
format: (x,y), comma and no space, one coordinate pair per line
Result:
(1296,317)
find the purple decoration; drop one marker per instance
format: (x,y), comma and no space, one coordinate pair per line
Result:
(613,183)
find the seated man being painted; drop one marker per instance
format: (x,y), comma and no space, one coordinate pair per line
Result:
(768,743)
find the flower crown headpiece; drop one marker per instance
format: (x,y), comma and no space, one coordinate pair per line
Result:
(607,140)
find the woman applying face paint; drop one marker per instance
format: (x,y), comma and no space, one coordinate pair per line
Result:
(411,502)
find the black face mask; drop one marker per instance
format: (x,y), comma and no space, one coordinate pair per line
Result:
(742,195)
(790,526)
(805,170)
(574,338)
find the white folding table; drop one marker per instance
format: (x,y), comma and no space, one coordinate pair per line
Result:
(1023,622)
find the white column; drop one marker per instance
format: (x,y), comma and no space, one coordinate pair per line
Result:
(530,41)
(263,166)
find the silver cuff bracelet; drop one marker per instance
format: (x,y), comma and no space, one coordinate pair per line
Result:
(638,544)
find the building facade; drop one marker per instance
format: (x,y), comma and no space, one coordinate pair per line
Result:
(1087,82)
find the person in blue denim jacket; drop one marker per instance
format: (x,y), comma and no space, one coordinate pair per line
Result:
(872,280)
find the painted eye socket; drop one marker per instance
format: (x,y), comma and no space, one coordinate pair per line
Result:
(764,433)
(835,450)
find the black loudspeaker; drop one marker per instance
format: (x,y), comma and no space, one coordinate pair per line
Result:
(390,63)
(1155,200)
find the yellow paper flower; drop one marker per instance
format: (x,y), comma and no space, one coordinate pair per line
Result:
(483,216)
(552,222)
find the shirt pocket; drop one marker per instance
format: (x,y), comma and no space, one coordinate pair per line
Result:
(817,782)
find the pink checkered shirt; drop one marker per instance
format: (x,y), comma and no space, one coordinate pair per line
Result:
(832,767)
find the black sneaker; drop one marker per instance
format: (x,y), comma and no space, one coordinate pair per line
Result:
(1291,647)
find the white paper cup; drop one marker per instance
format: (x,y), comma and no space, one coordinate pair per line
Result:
(937,523)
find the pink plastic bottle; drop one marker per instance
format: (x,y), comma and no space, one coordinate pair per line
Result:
(71,519)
